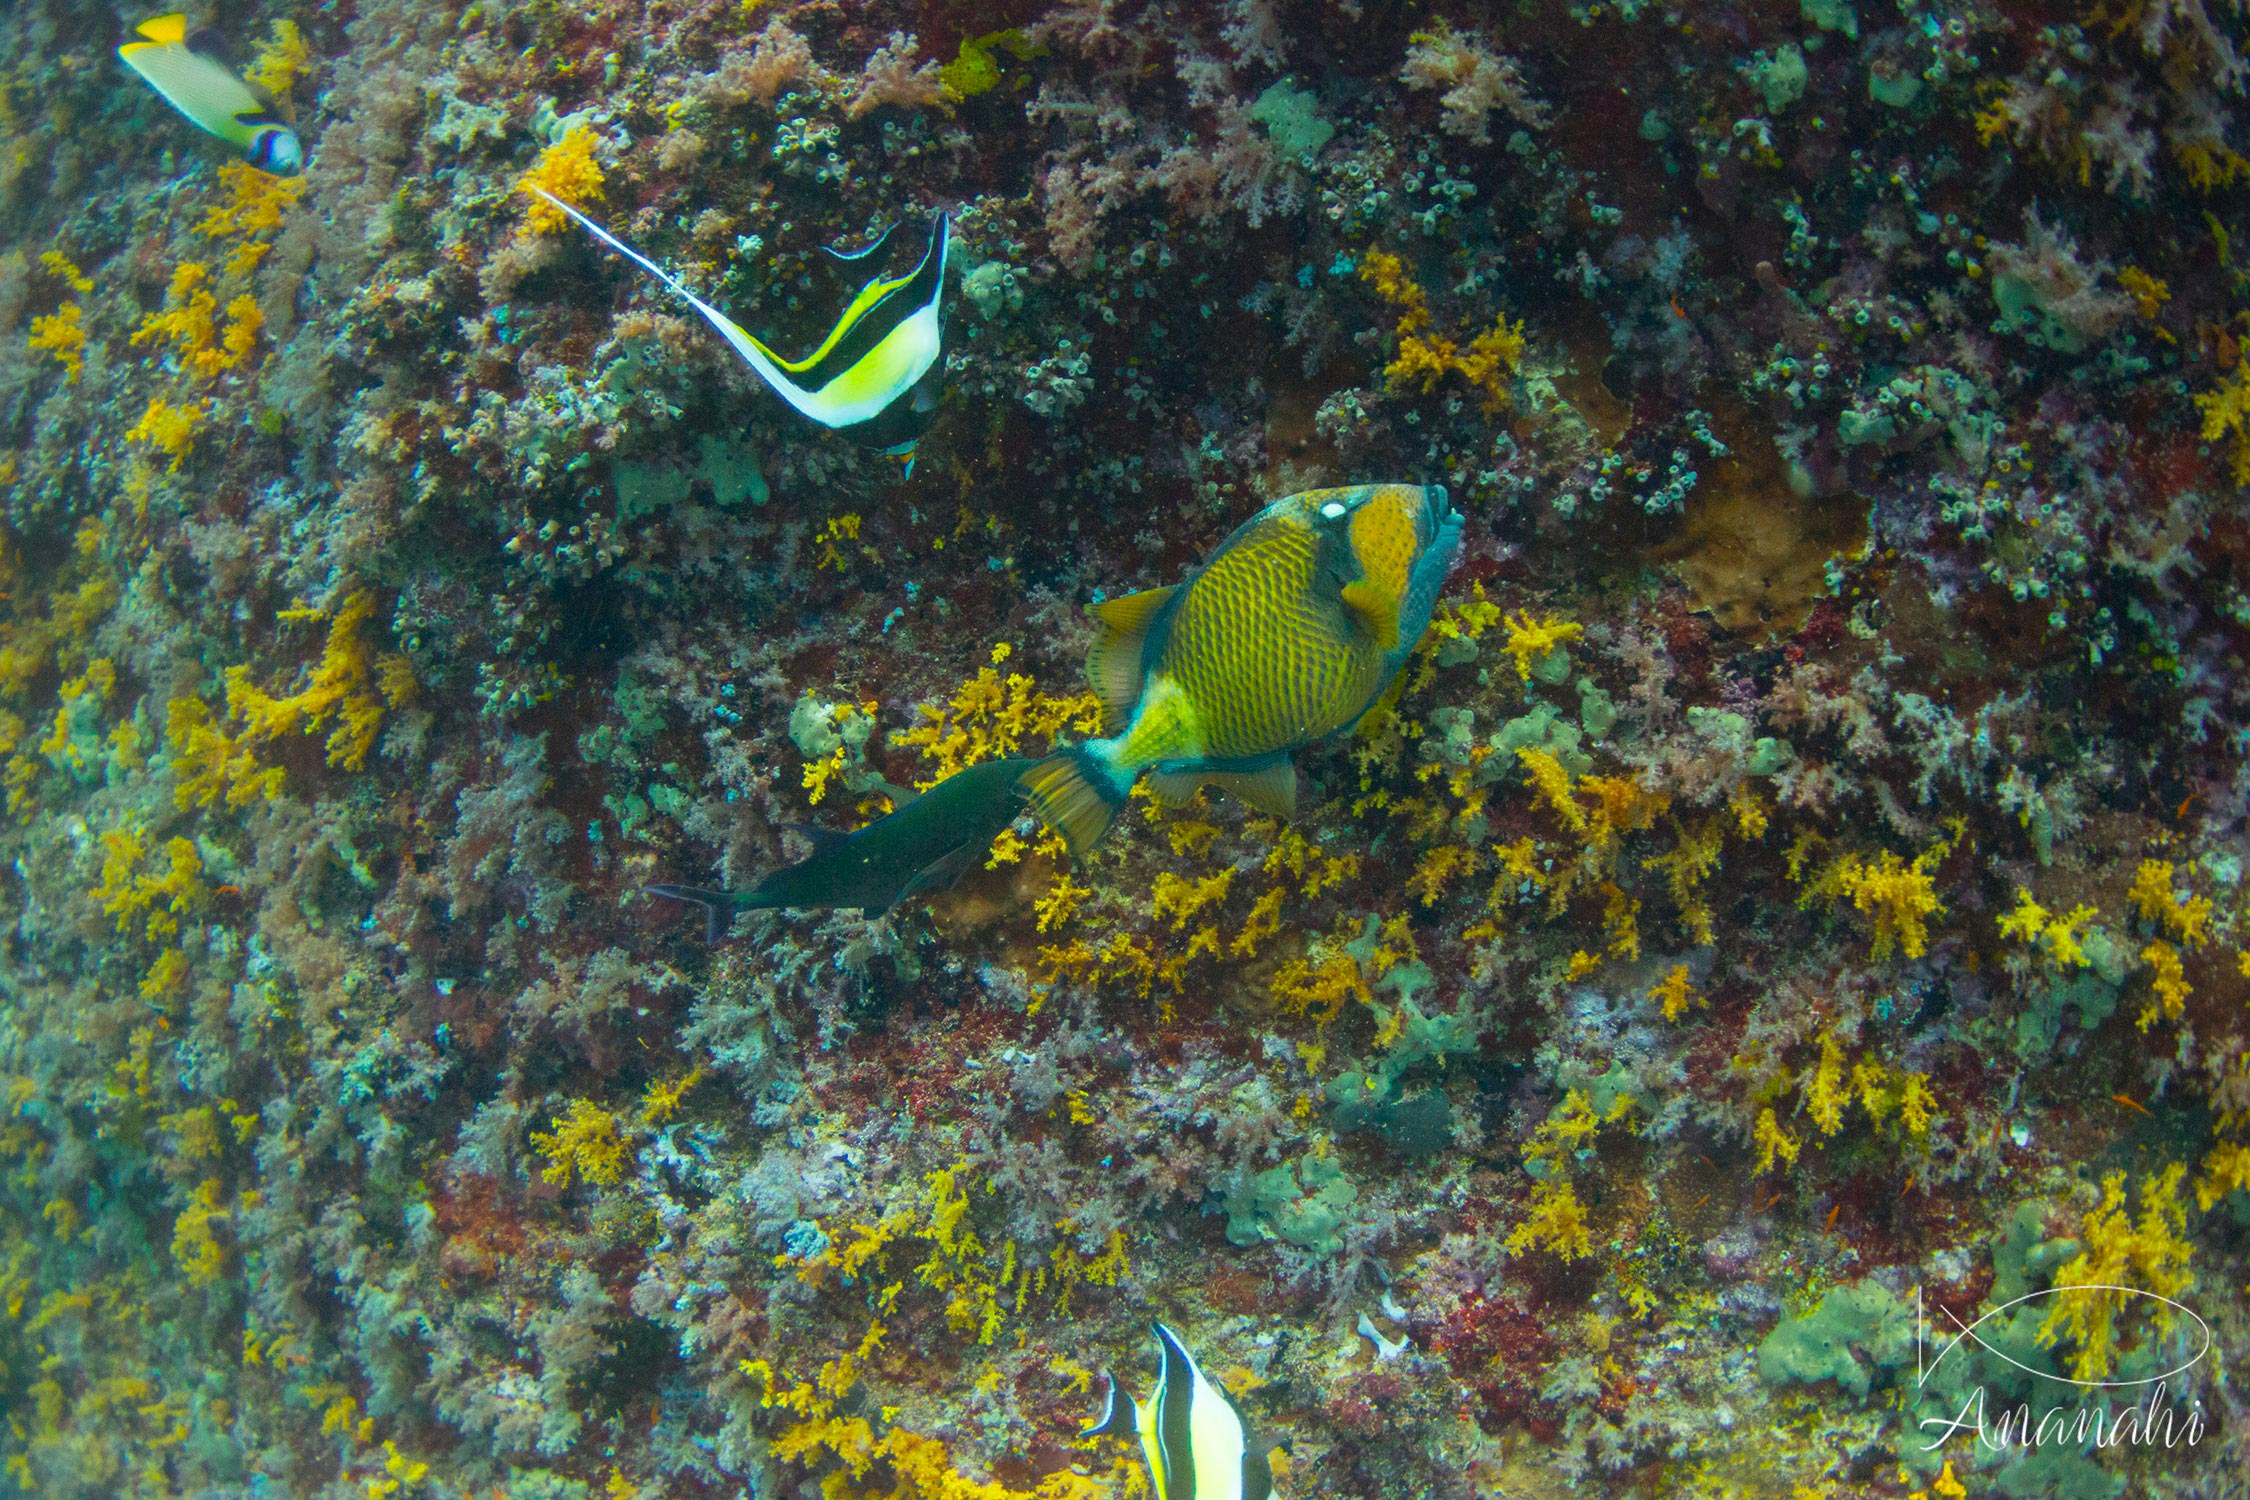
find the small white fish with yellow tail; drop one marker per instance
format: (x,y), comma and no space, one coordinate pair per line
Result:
(190,69)
(875,378)
(1196,1443)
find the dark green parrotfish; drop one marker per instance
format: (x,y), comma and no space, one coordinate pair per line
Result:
(924,846)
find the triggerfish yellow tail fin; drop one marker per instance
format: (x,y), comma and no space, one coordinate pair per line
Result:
(189,69)
(1075,793)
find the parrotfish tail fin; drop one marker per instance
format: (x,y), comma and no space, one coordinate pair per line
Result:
(1073,794)
(715,904)
(1117,1413)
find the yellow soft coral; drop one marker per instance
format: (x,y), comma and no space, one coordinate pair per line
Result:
(212,769)
(255,202)
(1180,897)
(281,62)
(2058,937)
(1387,274)
(189,325)
(586,1141)
(1674,994)
(169,429)
(566,169)
(2184,918)
(153,894)
(2226,411)
(200,1256)
(1532,639)
(2168,986)
(2149,1254)
(2225,1170)
(1773,1143)
(63,335)
(1900,897)
(1557,1222)
(347,686)
(987,718)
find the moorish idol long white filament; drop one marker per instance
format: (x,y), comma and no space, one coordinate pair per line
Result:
(191,72)
(875,377)
(1194,1439)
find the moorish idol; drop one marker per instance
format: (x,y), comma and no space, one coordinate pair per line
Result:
(922,847)
(191,71)
(1195,1441)
(875,377)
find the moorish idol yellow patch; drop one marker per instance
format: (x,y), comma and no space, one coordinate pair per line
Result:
(190,69)
(1195,1441)
(875,377)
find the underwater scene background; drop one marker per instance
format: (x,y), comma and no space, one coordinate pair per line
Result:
(1794,902)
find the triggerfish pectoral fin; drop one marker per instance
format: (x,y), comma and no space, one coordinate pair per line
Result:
(1376,608)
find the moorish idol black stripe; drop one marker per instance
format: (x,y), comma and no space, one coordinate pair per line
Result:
(192,73)
(1193,1437)
(875,378)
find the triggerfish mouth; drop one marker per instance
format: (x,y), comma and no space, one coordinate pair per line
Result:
(1194,1439)
(923,846)
(1287,634)
(875,377)
(191,71)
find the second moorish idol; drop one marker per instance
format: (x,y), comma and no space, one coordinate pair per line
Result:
(1287,634)
(1195,1441)
(922,847)
(190,69)
(875,377)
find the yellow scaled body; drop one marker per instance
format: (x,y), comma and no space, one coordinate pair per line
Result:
(1285,635)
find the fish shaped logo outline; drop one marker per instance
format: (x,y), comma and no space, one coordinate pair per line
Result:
(190,71)
(873,378)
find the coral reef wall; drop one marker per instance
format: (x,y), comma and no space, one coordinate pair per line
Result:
(1799,888)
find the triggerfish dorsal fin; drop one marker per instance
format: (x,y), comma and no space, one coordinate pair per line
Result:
(1113,665)
(1376,608)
